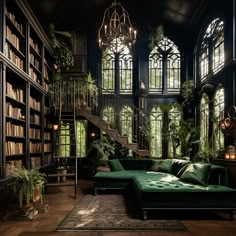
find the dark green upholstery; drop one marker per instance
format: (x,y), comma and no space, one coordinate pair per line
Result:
(158,190)
(115,165)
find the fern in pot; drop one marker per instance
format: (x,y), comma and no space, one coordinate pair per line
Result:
(28,185)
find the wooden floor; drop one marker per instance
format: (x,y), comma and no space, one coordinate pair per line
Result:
(61,201)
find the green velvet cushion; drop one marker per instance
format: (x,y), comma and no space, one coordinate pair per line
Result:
(197,173)
(115,165)
(165,165)
(177,165)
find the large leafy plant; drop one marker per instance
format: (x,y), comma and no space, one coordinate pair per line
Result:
(26,183)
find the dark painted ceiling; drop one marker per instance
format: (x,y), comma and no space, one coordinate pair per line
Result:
(82,14)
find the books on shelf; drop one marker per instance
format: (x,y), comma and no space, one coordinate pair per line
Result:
(34,103)
(15,93)
(34,61)
(13,148)
(34,45)
(35,119)
(12,18)
(47,136)
(12,38)
(47,147)
(10,54)
(34,76)
(14,112)
(35,162)
(10,165)
(35,147)
(14,130)
(34,133)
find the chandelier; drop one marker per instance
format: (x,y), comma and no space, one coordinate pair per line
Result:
(116,31)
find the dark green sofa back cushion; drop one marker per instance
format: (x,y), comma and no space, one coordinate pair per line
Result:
(115,165)
(136,164)
(196,173)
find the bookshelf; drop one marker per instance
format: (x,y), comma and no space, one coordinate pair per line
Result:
(26,69)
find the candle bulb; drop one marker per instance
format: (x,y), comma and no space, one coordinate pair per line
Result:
(135,33)
(105,29)
(232,155)
(226,155)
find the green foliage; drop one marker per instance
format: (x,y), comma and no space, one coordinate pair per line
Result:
(64,58)
(104,146)
(187,92)
(26,182)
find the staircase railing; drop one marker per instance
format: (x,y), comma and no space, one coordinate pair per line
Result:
(74,93)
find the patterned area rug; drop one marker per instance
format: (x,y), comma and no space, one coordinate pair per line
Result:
(112,212)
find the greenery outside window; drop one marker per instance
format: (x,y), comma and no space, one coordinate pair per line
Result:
(108,115)
(219,101)
(81,126)
(64,140)
(156,122)
(164,68)
(204,121)
(211,53)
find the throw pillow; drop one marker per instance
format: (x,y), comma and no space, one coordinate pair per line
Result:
(177,165)
(115,165)
(166,165)
(196,173)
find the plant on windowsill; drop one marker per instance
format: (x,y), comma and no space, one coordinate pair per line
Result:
(28,186)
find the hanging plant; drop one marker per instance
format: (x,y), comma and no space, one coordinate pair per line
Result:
(64,58)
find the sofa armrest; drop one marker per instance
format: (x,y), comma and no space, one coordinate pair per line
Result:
(218,175)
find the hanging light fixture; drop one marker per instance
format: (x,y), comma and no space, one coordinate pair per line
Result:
(116,30)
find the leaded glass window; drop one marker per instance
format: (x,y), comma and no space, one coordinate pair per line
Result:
(108,72)
(164,68)
(211,53)
(126,69)
(219,100)
(156,123)
(126,123)
(204,120)
(174,146)
(81,126)
(64,140)
(108,115)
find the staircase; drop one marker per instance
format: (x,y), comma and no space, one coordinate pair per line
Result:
(113,133)
(67,92)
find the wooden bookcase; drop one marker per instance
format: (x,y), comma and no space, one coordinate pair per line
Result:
(26,69)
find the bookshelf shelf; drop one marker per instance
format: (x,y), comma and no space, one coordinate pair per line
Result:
(26,131)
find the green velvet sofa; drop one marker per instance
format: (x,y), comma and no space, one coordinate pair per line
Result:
(169,184)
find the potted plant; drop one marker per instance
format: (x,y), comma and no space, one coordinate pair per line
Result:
(104,147)
(28,186)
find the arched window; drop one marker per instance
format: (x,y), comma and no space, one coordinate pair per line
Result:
(164,68)
(219,105)
(81,126)
(108,72)
(156,122)
(211,53)
(126,122)
(108,115)
(204,120)
(117,72)
(174,146)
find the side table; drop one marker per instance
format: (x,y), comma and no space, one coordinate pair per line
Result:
(230,165)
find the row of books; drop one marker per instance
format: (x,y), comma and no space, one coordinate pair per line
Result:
(35,119)
(34,45)
(47,147)
(47,135)
(12,38)
(14,148)
(35,162)
(12,18)
(15,93)
(34,133)
(14,130)
(14,112)
(13,57)
(35,147)
(34,76)
(34,61)
(34,103)
(10,165)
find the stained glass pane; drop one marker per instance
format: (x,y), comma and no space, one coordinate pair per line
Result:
(156,118)
(81,138)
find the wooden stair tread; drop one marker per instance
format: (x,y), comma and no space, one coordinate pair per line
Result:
(56,175)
